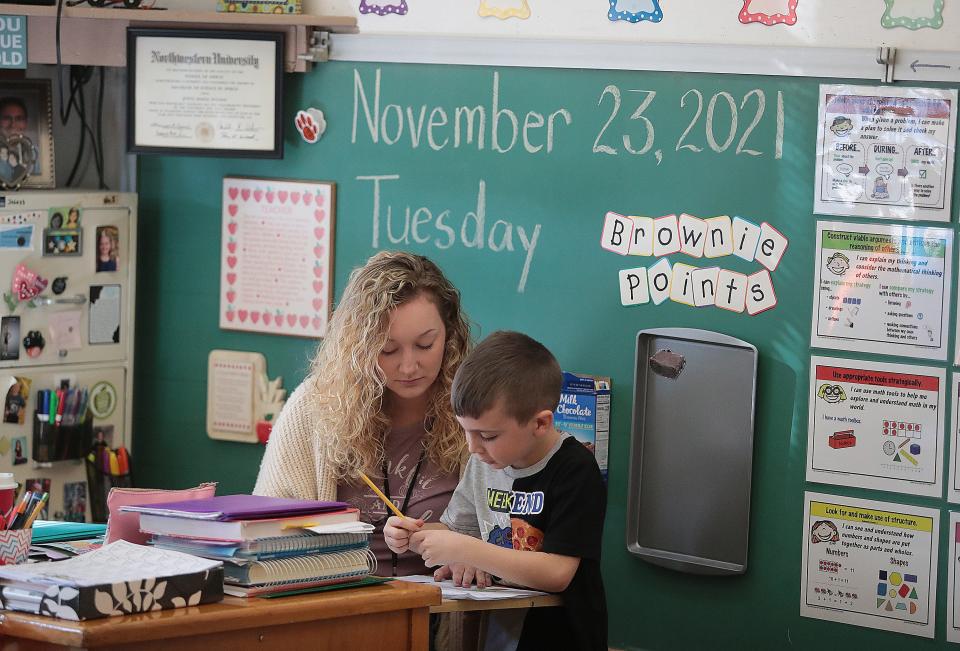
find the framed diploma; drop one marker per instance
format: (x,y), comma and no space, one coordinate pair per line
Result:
(204,93)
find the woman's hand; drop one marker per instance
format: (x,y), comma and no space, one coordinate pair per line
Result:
(463,575)
(397,532)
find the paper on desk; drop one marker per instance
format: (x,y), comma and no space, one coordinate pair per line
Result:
(113,563)
(450,591)
(342,527)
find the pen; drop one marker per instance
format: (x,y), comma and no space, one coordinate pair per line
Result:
(123,460)
(36,511)
(61,398)
(18,509)
(386,500)
(114,464)
(43,405)
(53,407)
(27,510)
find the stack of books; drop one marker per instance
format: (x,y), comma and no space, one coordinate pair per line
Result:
(267,545)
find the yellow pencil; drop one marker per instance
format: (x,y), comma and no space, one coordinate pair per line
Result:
(386,500)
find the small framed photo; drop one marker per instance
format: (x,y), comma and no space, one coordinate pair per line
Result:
(108,248)
(26,134)
(9,338)
(205,93)
(67,219)
(62,242)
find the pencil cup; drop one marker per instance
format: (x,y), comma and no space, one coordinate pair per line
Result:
(14,546)
(60,442)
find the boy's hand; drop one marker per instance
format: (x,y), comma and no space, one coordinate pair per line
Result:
(463,575)
(397,531)
(440,547)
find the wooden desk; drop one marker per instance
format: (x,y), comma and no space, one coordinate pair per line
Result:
(393,615)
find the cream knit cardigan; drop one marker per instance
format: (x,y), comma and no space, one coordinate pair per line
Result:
(294,464)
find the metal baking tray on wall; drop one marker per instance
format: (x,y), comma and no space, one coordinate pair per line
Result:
(691,452)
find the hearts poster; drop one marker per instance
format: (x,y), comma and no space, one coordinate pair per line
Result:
(276,266)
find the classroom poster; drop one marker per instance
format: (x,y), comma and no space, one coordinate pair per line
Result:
(885,151)
(953,488)
(882,289)
(870,563)
(276,267)
(876,425)
(953,559)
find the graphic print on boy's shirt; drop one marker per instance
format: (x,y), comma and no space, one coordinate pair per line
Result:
(520,534)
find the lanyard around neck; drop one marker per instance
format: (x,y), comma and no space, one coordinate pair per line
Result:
(406,497)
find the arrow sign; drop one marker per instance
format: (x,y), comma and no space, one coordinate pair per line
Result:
(864,170)
(902,171)
(916,64)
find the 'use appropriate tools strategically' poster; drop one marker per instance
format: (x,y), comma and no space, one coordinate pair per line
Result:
(870,563)
(876,425)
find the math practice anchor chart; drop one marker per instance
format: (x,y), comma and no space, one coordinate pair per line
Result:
(870,564)
(875,425)
(885,152)
(882,289)
(953,589)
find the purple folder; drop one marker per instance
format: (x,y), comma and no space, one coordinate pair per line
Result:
(238,507)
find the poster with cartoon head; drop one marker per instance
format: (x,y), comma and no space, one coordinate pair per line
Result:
(870,563)
(876,425)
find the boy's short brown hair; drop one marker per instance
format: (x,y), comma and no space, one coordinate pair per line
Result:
(510,366)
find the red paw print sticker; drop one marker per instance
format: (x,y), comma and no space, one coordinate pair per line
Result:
(311,124)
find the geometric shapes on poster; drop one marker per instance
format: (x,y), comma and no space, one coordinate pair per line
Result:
(883,576)
(914,448)
(896,579)
(770,17)
(882,589)
(916,14)
(904,590)
(897,459)
(633,286)
(103,399)
(104,314)
(909,458)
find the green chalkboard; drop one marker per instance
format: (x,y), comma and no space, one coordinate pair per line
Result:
(514,215)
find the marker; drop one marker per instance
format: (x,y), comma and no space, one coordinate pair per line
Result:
(43,406)
(53,407)
(61,399)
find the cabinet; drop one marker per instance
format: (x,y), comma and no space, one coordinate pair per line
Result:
(87,329)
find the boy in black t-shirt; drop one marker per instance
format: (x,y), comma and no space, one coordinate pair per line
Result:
(529,508)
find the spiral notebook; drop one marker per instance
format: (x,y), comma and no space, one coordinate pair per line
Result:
(295,572)
(264,548)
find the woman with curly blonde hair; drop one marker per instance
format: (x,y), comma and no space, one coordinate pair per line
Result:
(377,401)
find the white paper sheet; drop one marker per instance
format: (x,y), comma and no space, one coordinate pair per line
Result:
(113,563)
(492,593)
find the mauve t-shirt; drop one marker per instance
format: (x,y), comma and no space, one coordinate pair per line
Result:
(431,493)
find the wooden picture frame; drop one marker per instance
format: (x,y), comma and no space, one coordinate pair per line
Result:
(26,134)
(205,93)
